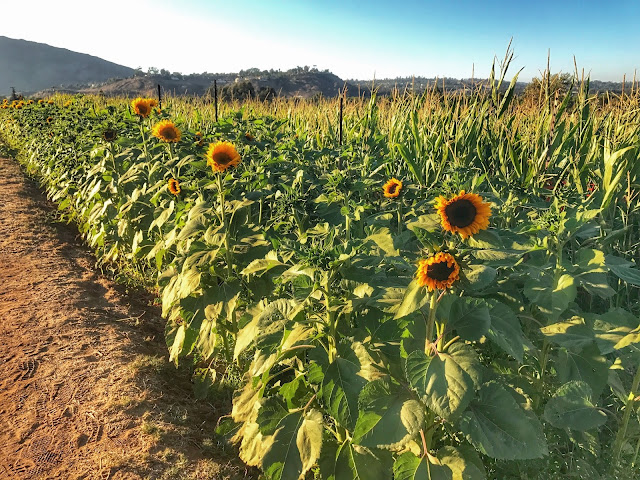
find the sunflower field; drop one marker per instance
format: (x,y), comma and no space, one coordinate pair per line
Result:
(452,292)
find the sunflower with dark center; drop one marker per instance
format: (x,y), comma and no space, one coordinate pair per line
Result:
(392,188)
(222,155)
(141,106)
(249,137)
(109,135)
(166,131)
(465,213)
(438,271)
(174,186)
(198,138)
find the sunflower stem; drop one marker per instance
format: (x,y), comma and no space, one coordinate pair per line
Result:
(331,323)
(225,222)
(144,141)
(622,430)
(399,217)
(431,322)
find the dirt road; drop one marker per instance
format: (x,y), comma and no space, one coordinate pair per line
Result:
(85,389)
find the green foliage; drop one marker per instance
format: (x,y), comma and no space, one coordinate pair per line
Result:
(296,271)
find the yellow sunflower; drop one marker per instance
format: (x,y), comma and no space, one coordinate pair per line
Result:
(248,136)
(153,102)
(392,188)
(50,102)
(198,138)
(141,106)
(222,155)
(166,131)
(174,186)
(465,213)
(49,119)
(438,271)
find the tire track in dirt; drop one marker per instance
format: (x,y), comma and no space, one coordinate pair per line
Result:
(85,391)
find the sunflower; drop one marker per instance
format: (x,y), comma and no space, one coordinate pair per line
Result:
(248,136)
(174,186)
(50,102)
(49,119)
(198,138)
(141,106)
(40,102)
(68,103)
(153,102)
(109,135)
(438,271)
(166,131)
(392,188)
(221,156)
(465,213)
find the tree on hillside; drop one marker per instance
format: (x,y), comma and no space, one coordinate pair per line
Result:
(548,86)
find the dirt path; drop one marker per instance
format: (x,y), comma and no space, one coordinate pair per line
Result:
(85,389)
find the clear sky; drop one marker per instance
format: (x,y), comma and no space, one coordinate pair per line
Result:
(353,39)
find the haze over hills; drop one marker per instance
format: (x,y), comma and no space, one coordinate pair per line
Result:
(39,69)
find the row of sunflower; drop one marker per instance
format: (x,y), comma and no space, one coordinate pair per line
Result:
(379,332)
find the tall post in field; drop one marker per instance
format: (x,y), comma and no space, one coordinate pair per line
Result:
(340,119)
(159,98)
(215,99)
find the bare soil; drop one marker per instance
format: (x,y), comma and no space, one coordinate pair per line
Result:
(86,391)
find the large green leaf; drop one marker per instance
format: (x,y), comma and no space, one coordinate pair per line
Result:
(442,381)
(389,416)
(551,297)
(341,387)
(470,318)
(586,365)
(297,442)
(497,426)
(612,327)
(410,467)
(623,269)
(564,292)
(573,333)
(267,319)
(632,337)
(464,463)
(506,331)
(415,297)
(347,461)
(263,264)
(479,276)
(571,407)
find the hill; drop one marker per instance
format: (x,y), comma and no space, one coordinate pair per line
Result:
(30,66)
(292,83)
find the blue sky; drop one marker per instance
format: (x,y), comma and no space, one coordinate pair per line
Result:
(355,40)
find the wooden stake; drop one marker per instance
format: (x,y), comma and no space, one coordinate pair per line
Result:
(159,98)
(215,98)
(340,119)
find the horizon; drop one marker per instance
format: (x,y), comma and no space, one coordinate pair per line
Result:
(343,38)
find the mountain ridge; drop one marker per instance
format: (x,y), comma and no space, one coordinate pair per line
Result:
(31,66)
